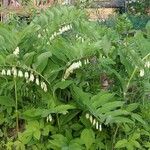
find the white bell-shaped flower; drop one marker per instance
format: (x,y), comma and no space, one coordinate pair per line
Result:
(147,64)
(26,75)
(16,51)
(94,122)
(37,81)
(87,116)
(31,78)
(20,73)
(100,127)
(97,125)
(141,72)
(14,71)
(44,86)
(3,72)
(91,118)
(8,72)
(39,36)
(50,118)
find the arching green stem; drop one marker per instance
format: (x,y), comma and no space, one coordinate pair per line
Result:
(16,106)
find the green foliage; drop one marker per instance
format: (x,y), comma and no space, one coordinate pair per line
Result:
(68,83)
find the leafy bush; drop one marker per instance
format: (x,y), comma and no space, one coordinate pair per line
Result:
(67,83)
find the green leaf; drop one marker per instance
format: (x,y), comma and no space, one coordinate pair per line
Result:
(110,106)
(7,101)
(88,138)
(62,84)
(121,144)
(138,118)
(132,107)
(37,134)
(122,120)
(2,60)
(101,98)
(42,61)
(28,58)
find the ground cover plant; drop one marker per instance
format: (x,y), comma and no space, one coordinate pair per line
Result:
(70,84)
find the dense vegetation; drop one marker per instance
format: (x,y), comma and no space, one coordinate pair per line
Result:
(71,84)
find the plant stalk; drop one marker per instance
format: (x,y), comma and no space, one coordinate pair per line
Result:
(16,107)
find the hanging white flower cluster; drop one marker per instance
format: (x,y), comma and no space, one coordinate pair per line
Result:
(16,51)
(29,76)
(142,71)
(80,38)
(94,121)
(71,68)
(74,66)
(147,64)
(49,118)
(61,31)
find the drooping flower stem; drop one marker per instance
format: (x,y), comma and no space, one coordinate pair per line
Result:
(132,75)
(16,106)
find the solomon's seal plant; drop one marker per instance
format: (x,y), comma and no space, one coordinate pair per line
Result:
(68,83)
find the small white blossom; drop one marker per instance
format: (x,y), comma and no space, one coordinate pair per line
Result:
(16,52)
(26,75)
(14,71)
(87,116)
(39,36)
(3,72)
(97,125)
(8,72)
(141,72)
(147,64)
(20,73)
(44,86)
(55,34)
(91,119)
(31,77)
(49,118)
(94,122)
(100,127)
(37,81)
